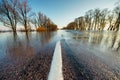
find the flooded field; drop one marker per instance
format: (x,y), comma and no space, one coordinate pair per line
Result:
(85,55)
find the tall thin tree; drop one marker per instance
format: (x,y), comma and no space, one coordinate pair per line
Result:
(24,12)
(9,14)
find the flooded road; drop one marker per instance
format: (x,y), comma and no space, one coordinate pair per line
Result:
(25,57)
(97,53)
(85,55)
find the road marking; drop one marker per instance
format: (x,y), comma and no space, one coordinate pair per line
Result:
(56,66)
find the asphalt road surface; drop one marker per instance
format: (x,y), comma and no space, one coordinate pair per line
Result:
(70,55)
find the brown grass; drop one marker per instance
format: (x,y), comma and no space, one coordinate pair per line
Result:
(41,29)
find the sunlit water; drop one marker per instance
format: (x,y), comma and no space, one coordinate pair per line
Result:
(107,42)
(23,45)
(105,45)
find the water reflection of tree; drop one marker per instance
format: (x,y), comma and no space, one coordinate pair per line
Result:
(111,40)
(95,38)
(45,37)
(116,45)
(107,40)
(18,50)
(28,36)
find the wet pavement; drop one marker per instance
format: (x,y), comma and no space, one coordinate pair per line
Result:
(85,55)
(72,69)
(89,65)
(99,60)
(27,58)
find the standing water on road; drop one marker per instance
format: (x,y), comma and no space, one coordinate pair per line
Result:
(95,55)
(26,56)
(100,51)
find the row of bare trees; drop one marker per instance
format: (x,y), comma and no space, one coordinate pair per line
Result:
(93,20)
(40,20)
(98,19)
(14,12)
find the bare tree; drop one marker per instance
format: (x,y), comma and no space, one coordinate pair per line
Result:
(71,26)
(9,14)
(96,19)
(103,18)
(117,23)
(110,20)
(34,21)
(42,21)
(24,12)
(88,19)
(82,23)
(39,20)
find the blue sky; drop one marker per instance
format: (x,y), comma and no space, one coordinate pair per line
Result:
(62,12)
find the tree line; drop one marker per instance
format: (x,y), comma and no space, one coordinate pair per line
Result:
(14,12)
(98,19)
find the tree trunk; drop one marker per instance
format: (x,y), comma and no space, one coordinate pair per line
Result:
(117,23)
